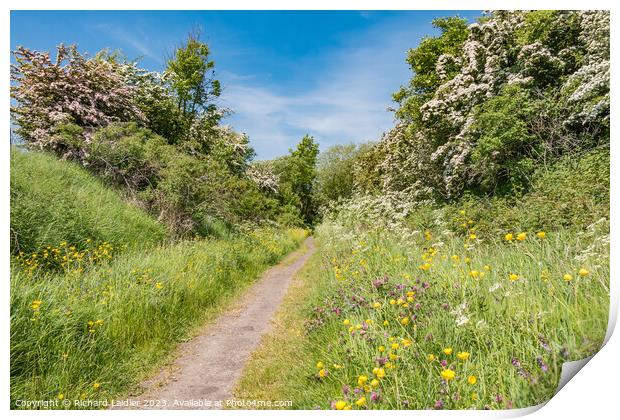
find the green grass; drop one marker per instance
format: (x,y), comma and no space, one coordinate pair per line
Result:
(518,333)
(114,323)
(54,201)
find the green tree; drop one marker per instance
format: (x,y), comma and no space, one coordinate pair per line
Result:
(335,172)
(191,75)
(298,176)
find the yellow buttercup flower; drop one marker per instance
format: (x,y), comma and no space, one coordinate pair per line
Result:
(361,380)
(376,305)
(447,351)
(320,365)
(430,357)
(567,277)
(448,374)
(462,355)
(513,277)
(61,396)
(346,322)
(541,235)
(474,274)
(509,237)
(374,383)
(583,272)
(340,405)
(322,373)
(361,402)
(404,321)
(381,349)
(472,380)
(380,373)
(96,386)
(522,236)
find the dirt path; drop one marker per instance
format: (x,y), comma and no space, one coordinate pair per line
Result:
(209,365)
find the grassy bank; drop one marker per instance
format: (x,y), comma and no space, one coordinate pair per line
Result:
(436,321)
(54,202)
(94,334)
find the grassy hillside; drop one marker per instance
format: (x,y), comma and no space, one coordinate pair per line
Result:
(54,202)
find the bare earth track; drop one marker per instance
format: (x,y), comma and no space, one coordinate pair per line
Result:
(209,365)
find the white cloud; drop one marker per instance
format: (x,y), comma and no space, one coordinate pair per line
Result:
(346,100)
(136,41)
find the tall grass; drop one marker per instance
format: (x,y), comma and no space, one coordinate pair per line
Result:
(400,310)
(54,201)
(94,334)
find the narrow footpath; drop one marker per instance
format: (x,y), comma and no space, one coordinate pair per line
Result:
(208,366)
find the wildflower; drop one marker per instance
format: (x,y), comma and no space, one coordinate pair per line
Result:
(462,212)
(471,379)
(472,236)
(361,380)
(425,267)
(381,349)
(96,386)
(521,236)
(361,402)
(374,383)
(541,234)
(406,342)
(467,260)
(386,323)
(438,405)
(455,258)
(583,272)
(323,373)
(567,277)
(508,237)
(346,322)
(474,396)
(376,305)
(158,285)
(395,346)
(487,268)
(428,236)
(392,301)
(404,321)
(541,363)
(430,357)
(340,405)
(447,351)
(380,373)
(462,355)
(36,304)
(320,365)
(61,396)
(513,277)
(448,374)
(337,366)
(474,274)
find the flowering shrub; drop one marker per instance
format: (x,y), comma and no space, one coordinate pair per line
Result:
(539,79)
(70,89)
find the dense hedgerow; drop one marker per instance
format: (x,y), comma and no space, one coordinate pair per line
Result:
(56,202)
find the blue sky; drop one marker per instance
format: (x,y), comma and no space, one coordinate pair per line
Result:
(330,74)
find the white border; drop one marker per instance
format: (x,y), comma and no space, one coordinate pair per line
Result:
(592,393)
